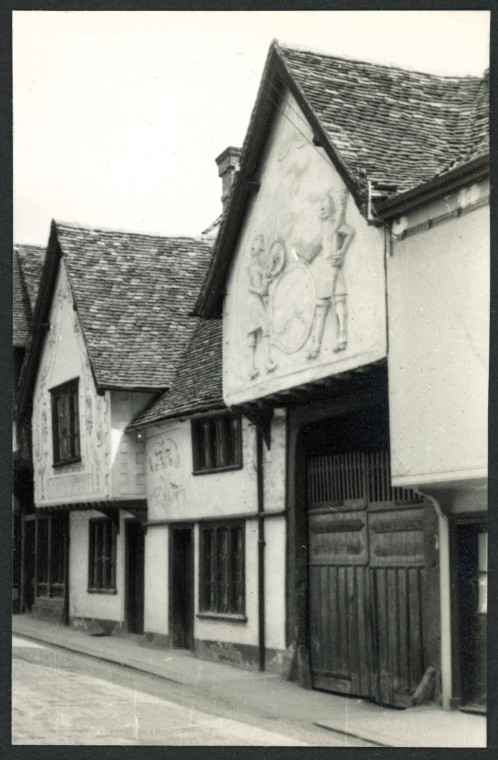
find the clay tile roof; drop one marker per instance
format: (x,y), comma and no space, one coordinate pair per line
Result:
(134,294)
(26,272)
(198,383)
(401,126)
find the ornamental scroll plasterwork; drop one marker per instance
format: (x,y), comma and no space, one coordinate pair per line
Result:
(166,475)
(293,286)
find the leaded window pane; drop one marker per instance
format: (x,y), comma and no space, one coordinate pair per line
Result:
(216,442)
(221,582)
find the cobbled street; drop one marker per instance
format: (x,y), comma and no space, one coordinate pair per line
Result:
(60,697)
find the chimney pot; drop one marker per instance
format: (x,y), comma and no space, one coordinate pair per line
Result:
(228,165)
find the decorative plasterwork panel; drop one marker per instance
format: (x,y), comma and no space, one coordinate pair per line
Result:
(165,475)
(305,297)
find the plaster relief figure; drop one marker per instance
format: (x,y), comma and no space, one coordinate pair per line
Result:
(327,255)
(167,475)
(261,271)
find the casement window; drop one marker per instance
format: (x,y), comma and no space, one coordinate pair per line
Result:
(50,549)
(65,423)
(222,569)
(102,556)
(217,443)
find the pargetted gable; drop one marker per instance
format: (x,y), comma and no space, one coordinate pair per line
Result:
(134,295)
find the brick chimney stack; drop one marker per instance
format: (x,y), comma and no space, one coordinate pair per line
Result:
(228,165)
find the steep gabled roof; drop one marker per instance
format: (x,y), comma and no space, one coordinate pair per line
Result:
(26,272)
(198,383)
(376,122)
(134,294)
(400,126)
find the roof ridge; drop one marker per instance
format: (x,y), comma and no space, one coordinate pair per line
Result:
(366,62)
(114,231)
(33,246)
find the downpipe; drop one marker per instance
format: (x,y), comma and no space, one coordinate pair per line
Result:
(261,548)
(444,602)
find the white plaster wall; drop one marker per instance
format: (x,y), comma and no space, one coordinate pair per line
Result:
(156,580)
(63,358)
(127,455)
(438,286)
(174,492)
(294,177)
(275,564)
(274,464)
(81,603)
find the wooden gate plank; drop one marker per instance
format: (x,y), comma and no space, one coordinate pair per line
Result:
(364,635)
(324,620)
(404,665)
(393,635)
(354,655)
(416,663)
(343,620)
(380,604)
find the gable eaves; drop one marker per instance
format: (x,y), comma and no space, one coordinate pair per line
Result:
(40,316)
(98,388)
(320,136)
(40,320)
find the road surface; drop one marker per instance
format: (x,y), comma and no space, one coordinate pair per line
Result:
(64,698)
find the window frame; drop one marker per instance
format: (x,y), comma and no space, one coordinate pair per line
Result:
(101,577)
(50,555)
(216,437)
(217,569)
(68,389)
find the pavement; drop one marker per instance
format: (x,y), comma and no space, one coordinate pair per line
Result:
(267,694)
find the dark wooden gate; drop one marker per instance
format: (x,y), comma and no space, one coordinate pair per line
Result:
(366,578)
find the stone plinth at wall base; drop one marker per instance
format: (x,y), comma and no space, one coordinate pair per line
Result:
(97,626)
(159,640)
(48,609)
(242,655)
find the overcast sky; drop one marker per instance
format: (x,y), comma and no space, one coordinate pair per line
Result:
(118,116)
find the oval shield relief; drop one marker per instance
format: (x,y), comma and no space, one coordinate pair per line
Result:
(292,308)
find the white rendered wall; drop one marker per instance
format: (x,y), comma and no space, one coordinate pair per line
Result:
(81,602)
(438,290)
(156,580)
(173,492)
(127,452)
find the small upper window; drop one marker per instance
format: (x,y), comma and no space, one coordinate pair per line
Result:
(65,423)
(216,443)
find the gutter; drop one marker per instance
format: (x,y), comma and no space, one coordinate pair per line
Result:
(444,183)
